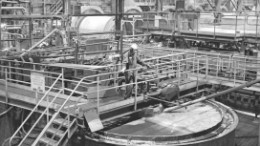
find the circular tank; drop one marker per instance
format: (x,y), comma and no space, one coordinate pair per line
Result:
(202,124)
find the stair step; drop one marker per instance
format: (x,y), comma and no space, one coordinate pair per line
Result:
(61,121)
(49,141)
(55,131)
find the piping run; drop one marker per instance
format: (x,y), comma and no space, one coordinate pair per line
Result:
(38,43)
(248,84)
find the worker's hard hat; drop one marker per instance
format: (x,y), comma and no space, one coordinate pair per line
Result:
(134,46)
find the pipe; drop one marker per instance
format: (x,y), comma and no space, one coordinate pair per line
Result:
(38,43)
(212,96)
(5,112)
(27,17)
(113,14)
(15,8)
(15,34)
(131,36)
(95,33)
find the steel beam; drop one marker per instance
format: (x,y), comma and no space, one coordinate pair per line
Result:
(27,17)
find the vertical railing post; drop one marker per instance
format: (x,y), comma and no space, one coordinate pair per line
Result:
(62,81)
(98,80)
(214,30)
(68,123)
(157,68)
(246,19)
(172,63)
(179,73)
(193,63)
(10,70)
(198,67)
(115,78)
(235,70)
(236,28)
(48,102)
(136,89)
(207,66)
(133,23)
(245,64)
(197,26)
(6,85)
(217,66)
(256,28)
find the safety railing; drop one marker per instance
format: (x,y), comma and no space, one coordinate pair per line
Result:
(254,26)
(230,25)
(19,72)
(165,67)
(166,64)
(223,66)
(154,22)
(145,2)
(43,99)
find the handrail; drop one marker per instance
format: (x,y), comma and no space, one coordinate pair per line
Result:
(58,111)
(39,42)
(16,132)
(39,118)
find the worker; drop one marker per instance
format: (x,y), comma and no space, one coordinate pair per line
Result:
(131,60)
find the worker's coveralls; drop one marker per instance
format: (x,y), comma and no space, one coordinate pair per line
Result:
(131,60)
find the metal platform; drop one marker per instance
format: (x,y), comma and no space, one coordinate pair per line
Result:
(58,88)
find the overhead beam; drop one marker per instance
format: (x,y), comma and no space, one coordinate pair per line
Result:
(27,17)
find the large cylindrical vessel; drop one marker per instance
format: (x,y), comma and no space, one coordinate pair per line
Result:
(202,124)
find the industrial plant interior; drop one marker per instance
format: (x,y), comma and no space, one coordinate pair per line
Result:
(130,73)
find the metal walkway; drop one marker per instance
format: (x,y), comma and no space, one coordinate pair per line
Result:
(60,97)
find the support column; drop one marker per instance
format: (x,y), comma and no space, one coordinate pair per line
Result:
(159,5)
(30,25)
(119,15)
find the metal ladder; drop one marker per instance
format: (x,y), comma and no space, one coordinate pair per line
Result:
(57,7)
(56,130)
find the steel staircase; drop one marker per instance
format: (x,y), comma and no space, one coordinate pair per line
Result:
(56,8)
(59,128)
